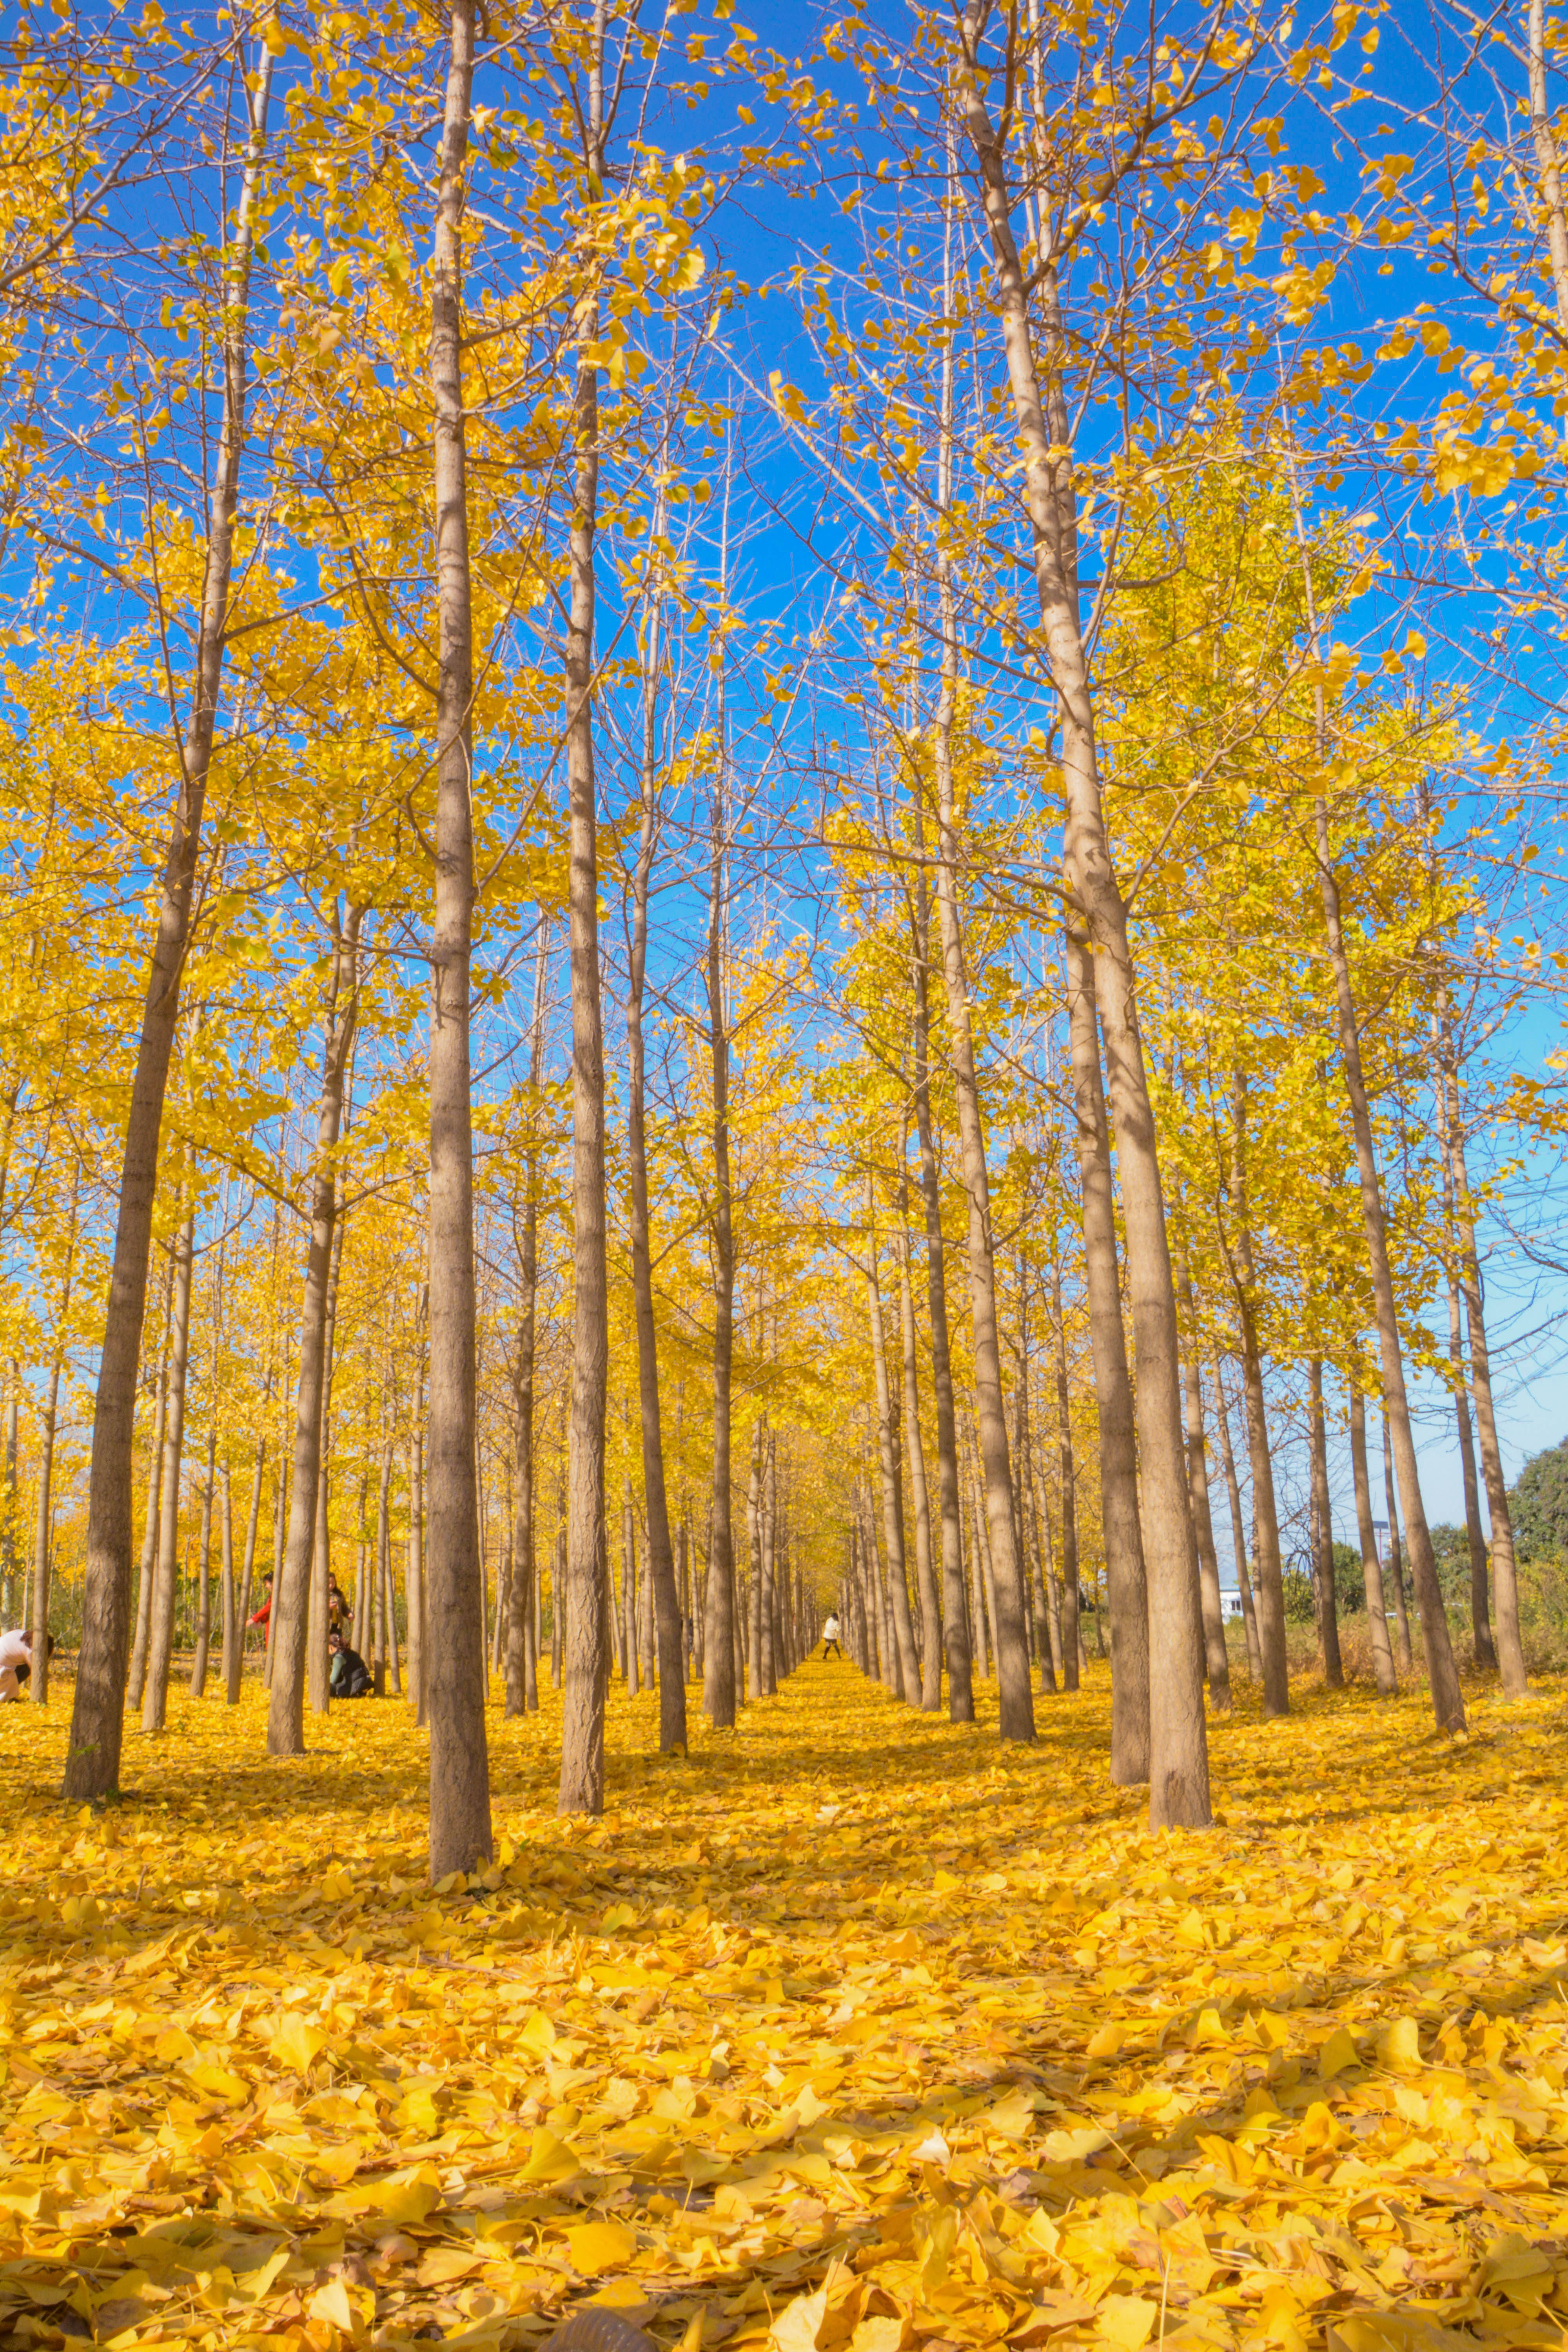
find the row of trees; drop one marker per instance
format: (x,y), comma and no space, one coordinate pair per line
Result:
(1048,961)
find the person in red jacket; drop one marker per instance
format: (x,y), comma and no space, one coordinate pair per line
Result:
(263,1615)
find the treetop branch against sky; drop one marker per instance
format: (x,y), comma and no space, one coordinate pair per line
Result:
(787,831)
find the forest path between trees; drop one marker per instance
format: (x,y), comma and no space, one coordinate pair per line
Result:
(853,2031)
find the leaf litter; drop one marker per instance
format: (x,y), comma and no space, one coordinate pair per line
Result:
(853,2031)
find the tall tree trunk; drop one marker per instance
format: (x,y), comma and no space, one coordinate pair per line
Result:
(1125,1574)
(1323,1516)
(1071,1640)
(661,1556)
(137,1680)
(1216,1661)
(1371,1566)
(1178,1747)
(290,1625)
(92,1752)
(161,1640)
(204,1568)
(318,1661)
(719,1677)
(414,1573)
(230,1593)
(1505,1578)
(383,1568)
(1023,1482)
(954,1617)
(524,1567)
(891,1457)
(925,1568)
(454,1663)
(1016,1699)
(1396,1568)
(234,1639)
(1271,1594)
(767,1507)
(1447,1701)
(1238,1531)
(39,1678)
(587,1655)
(753,1591)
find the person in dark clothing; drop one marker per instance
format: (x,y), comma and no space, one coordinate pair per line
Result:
(350,1677)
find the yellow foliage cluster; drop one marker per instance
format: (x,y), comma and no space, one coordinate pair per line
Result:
(852,2032)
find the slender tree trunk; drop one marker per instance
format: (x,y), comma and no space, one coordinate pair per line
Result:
(720,1681)
(661,1558)
(1396,1569)
(1179,1795)
(138,1675)
(1271,1593)
(587,1655)
(1071,1637)
(92,1755)
(415,1574)
(1323,1563)
(767,1502)
(382,1568)
(279,1539)
(39,1678)
(1371,1566)
(454,1660)
(1216,1661)
(1447,1702)
(925,1568)
(525,1571)
(204,1568)
(1238,1532)
(161,1640)
(891,1456)
(234,1637)
(290,1620)
(954,1617)
(1505,1576)
(1125,1574)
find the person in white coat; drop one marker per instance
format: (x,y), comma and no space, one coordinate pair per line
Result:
(830,1638)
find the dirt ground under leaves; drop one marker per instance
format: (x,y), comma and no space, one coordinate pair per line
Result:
(852,2030)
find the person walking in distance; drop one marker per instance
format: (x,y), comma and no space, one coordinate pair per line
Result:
(830,1639)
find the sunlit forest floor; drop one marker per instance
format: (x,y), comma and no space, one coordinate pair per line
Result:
(854,2030)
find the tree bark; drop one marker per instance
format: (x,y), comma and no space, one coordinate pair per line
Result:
(1270,1593)
(92,1753)
(1447,1701)
(525,1570)
(719,1677)
(1371,1566)
(454,1663)
(955,1623)
(1125,1573)
(656,1502)
(291,1618)
(925,1568)
(137,1680)
(586,1651)
(1505,1575)
(1178,1749)
(39,1678)
(889,1451)
(234,1637)
(1322,1517)
(1396,1567)
(1216,1659)
(1238,1532)
(1071,1639)
(204,1568)
(161,1637)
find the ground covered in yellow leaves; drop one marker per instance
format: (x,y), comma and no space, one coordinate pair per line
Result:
(853,2031)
